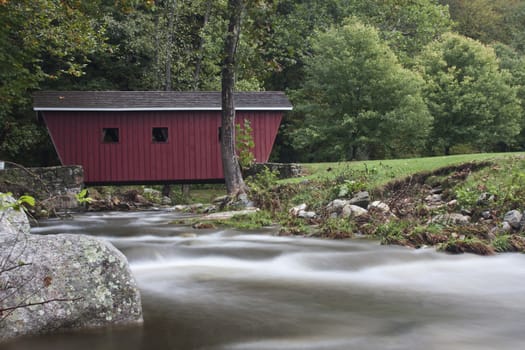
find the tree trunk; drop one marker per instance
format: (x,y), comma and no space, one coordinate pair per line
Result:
(232,172)
(158,71)
(169,43)
(198,64)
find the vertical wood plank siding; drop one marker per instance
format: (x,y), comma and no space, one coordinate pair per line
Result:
(192,151)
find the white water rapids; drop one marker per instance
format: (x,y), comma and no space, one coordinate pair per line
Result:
(226,289)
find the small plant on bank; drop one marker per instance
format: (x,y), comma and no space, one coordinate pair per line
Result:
(19,204)
(467,245)
(337,228)
(262,189)
(393,232)
(502,244)
(466,196)
(83,197)
(252,221)
(293,226)
(244,144)
(350,186)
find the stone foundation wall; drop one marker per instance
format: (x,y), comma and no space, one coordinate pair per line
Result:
(57,185)
(284,170)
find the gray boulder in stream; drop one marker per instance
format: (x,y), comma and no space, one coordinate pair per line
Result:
(66,281)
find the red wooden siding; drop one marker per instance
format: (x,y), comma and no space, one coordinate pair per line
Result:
(191,153)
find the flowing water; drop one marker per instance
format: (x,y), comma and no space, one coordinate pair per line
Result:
(226,289)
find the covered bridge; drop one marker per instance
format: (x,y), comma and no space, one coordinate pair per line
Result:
(124,137)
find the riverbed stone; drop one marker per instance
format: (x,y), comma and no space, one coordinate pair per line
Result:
(336,204)
(225,215)
(505,227)
(152,193)
(513,217)
(361,199)
(334,208)
(522,222)
(307,214)
(486,214)
(353,211)
(166,200)
(298,209)
(485,198)
(70,281)
(451,219)
(380,206)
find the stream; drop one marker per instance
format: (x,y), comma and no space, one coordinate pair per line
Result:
(228,289)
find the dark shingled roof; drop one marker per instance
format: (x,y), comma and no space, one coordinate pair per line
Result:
(154,100)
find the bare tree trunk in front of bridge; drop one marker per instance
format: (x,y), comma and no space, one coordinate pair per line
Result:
(235,185)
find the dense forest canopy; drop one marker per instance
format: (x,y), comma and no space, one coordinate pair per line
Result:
(368,79)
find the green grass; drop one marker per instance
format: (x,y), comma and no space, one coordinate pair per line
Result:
(379,172)
(206,194)
(504,184)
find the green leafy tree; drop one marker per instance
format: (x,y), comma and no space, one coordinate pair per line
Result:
(471,99)
(40,40)
(513,24)
(407,25)
(476,19)
(513,62)
(358,99)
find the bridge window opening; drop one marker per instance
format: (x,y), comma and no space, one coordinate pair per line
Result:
(159,135)
(110,135)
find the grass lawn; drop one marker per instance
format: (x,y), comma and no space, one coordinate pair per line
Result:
(380,172)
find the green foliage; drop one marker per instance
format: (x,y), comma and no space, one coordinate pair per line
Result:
(358,99)
(82,197)
(254,221)
(264,180)
(502,244)
(505,182)
(291,225)
(40,41)
(350,186)
(337,228)
(477,19)
(467,197)
(406,25)
(471,99)
(244,144)
(19,204)
(393,231)
(490,21)
(262,190)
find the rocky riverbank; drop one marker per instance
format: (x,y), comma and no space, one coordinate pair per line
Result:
(473,207)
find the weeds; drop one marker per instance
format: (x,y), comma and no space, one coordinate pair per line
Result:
(337,228)
(503,244)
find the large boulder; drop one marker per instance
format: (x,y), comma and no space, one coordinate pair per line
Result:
(56,282)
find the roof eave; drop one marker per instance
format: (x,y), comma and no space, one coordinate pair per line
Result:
(138,109)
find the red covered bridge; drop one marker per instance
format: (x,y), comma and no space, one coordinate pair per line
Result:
(151,136)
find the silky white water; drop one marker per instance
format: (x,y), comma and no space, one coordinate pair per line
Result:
(227,289)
